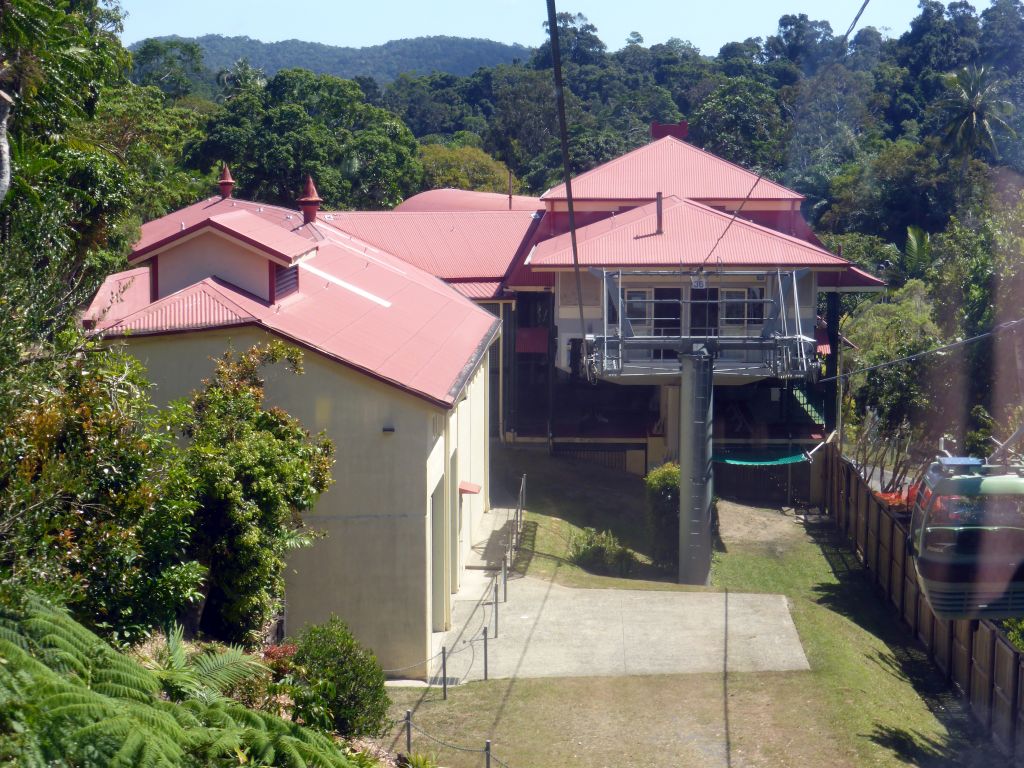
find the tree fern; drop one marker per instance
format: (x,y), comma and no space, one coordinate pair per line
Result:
(69,699)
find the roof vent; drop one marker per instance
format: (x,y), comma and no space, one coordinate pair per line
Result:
(309,202)
(226,183)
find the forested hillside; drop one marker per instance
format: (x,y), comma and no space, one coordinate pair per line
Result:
(908,149)
(455,55)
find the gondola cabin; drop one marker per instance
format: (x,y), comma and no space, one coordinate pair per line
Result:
(967,538)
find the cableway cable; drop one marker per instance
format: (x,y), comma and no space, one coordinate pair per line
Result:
(563,137)
(1007,326)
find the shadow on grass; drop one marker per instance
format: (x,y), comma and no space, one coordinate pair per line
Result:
(583,494)
(856,598)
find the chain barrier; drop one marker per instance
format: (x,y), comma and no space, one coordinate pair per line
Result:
(408,726)
(413,666)
(443,743)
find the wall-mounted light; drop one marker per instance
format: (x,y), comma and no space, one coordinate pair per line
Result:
(388,429)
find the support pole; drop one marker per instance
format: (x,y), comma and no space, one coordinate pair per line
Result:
(495,609)
(485,652)
(695,473)
(444,671)
(487,753)
(504,578)
(831,359)
(408,731)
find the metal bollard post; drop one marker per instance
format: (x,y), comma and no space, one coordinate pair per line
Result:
(485,653)
(444,671)
(495,610)
(504,578)
(487,753)
(408,731)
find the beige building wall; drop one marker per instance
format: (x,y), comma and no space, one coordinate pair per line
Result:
(375,566)
(210,254)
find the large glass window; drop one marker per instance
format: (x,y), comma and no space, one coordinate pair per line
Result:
(703,311)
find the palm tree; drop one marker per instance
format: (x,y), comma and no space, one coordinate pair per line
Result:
(914,261)
(242,77)
(975,112)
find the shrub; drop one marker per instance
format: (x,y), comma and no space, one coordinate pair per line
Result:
(67,698)
(338,684)
(600,552)
(663,514)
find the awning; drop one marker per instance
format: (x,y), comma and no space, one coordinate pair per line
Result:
(466,487)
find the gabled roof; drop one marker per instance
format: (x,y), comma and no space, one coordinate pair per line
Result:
(690,231)
(450,199)
(458,246)
(210,303)
(672,167)
(356,304)
(160,230)
(273,240)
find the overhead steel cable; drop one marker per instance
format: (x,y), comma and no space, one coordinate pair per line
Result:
(856,18)
(1009,325)
(563,137)
(760,176)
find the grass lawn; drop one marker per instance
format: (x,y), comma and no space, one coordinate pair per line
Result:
(871,698)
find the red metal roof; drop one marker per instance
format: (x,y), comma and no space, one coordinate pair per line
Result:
(358,305)
(210,303)
(672,167)
(160,230)
(854,280)
(477,289)
(121,295)
(478,246)
(690,231)
(449,199)
(270,238)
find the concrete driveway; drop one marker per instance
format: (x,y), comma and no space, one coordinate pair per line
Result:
(547,630)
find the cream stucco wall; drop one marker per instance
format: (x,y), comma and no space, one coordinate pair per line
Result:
(374,567)
(210,254)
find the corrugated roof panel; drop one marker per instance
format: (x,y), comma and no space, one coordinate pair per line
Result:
(207,304)
(453,245)
(672,167)
(158,230)
(450,199)
(690,232)
(477,290)
(369,310)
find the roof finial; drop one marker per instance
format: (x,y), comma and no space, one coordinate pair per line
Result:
(310,201)
(226,183)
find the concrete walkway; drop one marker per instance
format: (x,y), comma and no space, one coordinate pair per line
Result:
(547,630)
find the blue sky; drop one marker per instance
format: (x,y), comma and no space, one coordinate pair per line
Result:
(357,23)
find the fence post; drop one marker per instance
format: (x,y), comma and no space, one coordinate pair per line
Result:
(485,652)
(487,753)
(408,731)
(444,671)
(495,608)
(504,578)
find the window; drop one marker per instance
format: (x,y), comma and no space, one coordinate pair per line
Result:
(703,311)
(743,306)
(735,300)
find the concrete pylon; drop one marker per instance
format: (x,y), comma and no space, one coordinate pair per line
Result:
(696,484)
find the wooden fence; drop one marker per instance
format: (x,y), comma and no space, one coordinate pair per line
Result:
(975,657)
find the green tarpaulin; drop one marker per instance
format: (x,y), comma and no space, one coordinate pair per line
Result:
(751,459)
